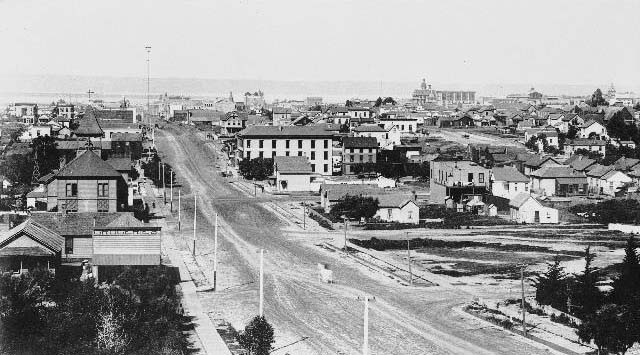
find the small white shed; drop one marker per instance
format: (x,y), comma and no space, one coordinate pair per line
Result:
(524,208)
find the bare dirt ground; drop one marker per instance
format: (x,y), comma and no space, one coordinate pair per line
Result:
(403,320)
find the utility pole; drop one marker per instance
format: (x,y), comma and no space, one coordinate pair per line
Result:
(164,190)
(179,207)
(261,309)
(345,234)
(215,253)
(365,340)
(195,215)
(524,311)
(409,259)
(148,49)
(171,188)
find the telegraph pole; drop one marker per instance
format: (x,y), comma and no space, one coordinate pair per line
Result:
(261,309)
(345,234)
(148,49)
(409,259)
(195,215)
(215,254)
(179,207)
(164,190)
(524,311)
(171,188)
(365,340)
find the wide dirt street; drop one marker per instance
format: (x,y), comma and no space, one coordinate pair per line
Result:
(403,320)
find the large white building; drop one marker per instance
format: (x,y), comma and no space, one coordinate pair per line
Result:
(313,142)
(403,124)
(387,137)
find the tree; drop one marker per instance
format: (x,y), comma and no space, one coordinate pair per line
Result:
(256,169)
(586,295)
(626,287)
(257,336)
(378,102)
(597,99)
(532,143)
(348,103)
(355,207)
(388,101)
(611,328)
(551,287)
(45,149)
(617,128)
(572,132)
(344,128)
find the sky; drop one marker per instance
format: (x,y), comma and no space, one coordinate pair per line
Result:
(457,42)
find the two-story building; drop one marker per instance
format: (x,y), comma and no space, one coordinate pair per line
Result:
(281,116)
(315,142)
(404,124)
(387,138)
(357,150)
(457,181)
(87,184)
(508,182)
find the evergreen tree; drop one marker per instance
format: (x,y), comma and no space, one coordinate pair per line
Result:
(551,287)
(587,296)
(626,287)
(611,328)
(257,336)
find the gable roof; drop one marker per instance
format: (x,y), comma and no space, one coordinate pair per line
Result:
(38,232)
(520,199)
(120,164)
(625,163)
(510,174)
(537,160)
(553,172)
(611,173)
(89,126)
(580,162)
(359,142)
(291,164)
(393,200)
(599,170)
(88,164)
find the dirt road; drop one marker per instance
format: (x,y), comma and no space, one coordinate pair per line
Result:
(403,320)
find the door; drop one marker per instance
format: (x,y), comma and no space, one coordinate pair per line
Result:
(536,217)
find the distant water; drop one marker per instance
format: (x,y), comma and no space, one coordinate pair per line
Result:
(45,89)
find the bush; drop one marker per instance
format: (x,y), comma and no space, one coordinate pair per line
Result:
(257,336)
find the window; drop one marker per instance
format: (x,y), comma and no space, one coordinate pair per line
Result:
(313,155)
(72,190)
(103,205)
(286,144)
(326,155)
(515,187)
(361,157)
(313,143)
(103,189)
(326,168)
(248,143)
(68,245)
(299,154)
(470,177)
(390,213)
(351,158)
(261,154)
(299,143)
(286,154)
(326,143)
(313,168)
(261,143)
(248,155)
(481,178)
(410,216)
(273,144)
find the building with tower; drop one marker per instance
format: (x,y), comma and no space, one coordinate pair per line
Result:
(425,95)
